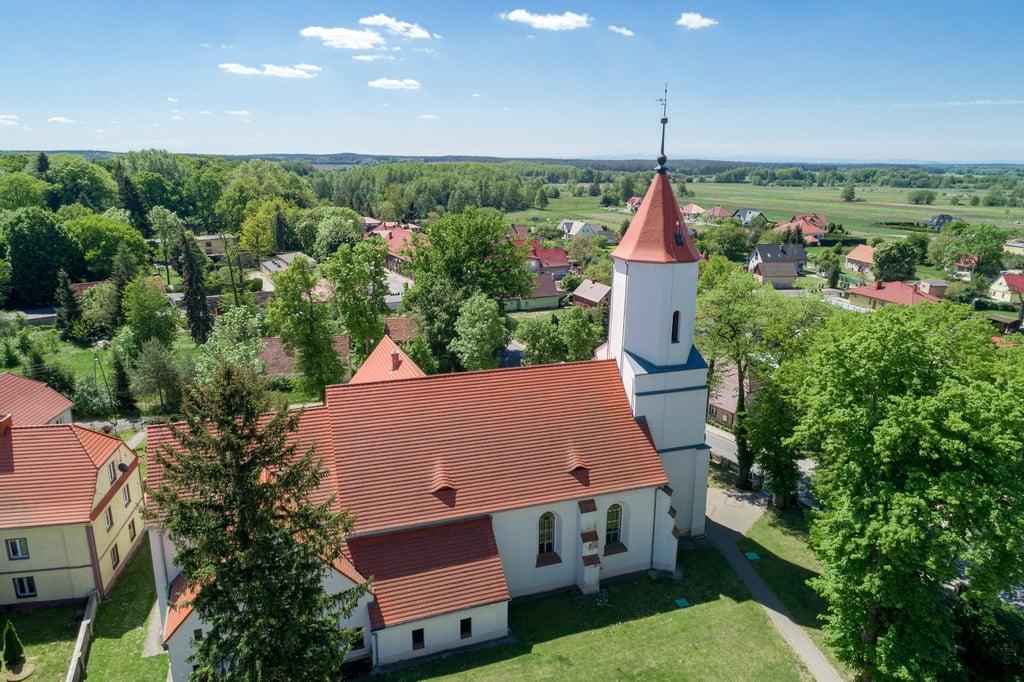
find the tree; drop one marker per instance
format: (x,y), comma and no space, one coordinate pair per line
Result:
(21,190)
(68,319)
(5,281)
(830,265)
(132,201)
(917,481)
(125,268)
(123,399)
(540,199)
(770,422)
(166,226)
(100,311)
(544,345)
(37,248)
(304,324)
(599,270)
(481,333)
(75,180)
(849,193)
(959,239)
(237,338)
(255,182)
(358,279)
(238,492)
(156,371)
(594,189)
(726,239)
(100,239)
(895,260)
(193,280)
(921,196)
(419,352)
(148,312)
(920,243)
(41,165)
(730,323)
(264,220)
(14,651)
(341,226)
(579,334)
(975,200)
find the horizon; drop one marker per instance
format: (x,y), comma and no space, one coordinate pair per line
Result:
(794,82)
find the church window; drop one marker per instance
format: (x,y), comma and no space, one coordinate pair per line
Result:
(675,327)
(546,533)
(613,528)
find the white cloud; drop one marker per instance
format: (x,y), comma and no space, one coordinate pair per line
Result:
(238,112)
(297,71)
(9,120)
(428,117)
(621,30)
(395,84)
(172,100)
(475,94)
(963,103)
(61,120)
(373,57)
(400,28)
(425,50)
(177,118)
(695,20)
(205,112)
(566,21)
(344,38)
(246,120)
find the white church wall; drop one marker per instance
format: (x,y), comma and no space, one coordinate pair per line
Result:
(441,633)
(688,472)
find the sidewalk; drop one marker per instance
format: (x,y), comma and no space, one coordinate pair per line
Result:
(731,514)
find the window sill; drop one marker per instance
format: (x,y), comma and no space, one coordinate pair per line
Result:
(548,559)
(614,548)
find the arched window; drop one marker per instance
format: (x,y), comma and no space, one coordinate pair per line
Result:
(675,327)
(613,528)
(546,533)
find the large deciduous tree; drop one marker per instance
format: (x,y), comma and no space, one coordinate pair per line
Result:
(76,180)
(166,226)
(132,201)
(21,190)
(37,248)
(480,333)
(253,538)
(100,238)
(304,323)
(918,480)
(237,338)
(148,312)
(895,260)
(357,276)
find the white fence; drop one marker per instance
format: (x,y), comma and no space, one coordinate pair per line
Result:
(80,656)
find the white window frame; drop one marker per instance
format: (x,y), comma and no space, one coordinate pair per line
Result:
(25,580)
(542,535)
(126,494)
(17,549)
(608,532)
(108,518)
(112,471)
(115,556)
(131,530)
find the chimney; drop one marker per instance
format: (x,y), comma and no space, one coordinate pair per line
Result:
(878,285)
(6,422)
(395,360)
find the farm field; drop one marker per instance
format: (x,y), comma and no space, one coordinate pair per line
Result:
(879,203)
(585,208)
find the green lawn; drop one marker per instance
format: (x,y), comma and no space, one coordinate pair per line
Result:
(585,208)
(48,634)
(878,204)
(545,314)
(120,628)
(786,564)
(635,632)
(720,475)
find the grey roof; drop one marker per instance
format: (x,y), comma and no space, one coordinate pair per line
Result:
(780,253)
(785,268)
(592,291)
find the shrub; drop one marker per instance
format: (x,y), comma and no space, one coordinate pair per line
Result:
(91,400)
(14,652)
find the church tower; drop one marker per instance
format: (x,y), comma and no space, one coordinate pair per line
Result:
(650,336)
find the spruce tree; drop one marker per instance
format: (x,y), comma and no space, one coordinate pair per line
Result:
(124,268)
(193,280)
(123,399)
(14,652)
(281,230)
(41,165)
(239,504)
(69,313)
(132,201)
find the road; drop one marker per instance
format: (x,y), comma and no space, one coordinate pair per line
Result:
(723,444)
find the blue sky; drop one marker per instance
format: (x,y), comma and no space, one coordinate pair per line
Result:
(785,79)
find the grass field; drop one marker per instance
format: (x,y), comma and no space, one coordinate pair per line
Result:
(48,634)
(786,564)
(120,628)
(586,208)
(635,633)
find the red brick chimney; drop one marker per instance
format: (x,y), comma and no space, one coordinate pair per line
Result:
(395,360)
(878,285)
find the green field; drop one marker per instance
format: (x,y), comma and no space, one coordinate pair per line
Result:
(586,208)
(48,633)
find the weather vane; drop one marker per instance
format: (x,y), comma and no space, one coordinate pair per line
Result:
(663,100)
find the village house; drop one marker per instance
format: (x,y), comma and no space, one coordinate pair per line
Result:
(553,261)
(280,262)
(724,397)
(501,497)
(1008,287)
(399,242)
(746,215)
(32,403)
(578,228)
(70,511)
(778,253)
(545,296)
(860,260)
(879,294)
(693,212)
(1014,247)
(779,274)
(633,204)
(963,268)
(718,213)
(812,227)
(590,294)
(215,246)
(370,223)
(937,222)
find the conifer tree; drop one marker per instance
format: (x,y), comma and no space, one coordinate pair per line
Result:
(41,165)
(124,268)
(193,280)
(239,504)
(69,313)
(123,399)
(132,201)
(281,230)
(14,651)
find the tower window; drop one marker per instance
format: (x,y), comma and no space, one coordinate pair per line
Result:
(675,327)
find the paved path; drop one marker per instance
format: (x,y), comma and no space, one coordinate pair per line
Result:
(731,514)
(137,440)
(153,644)
(723,444)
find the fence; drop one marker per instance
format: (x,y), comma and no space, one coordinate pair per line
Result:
(80,656)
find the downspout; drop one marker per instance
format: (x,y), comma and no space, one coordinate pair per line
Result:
(654,524)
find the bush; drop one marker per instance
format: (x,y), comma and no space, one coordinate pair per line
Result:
(254,284)
(14,652)
(91,399)
(921,196)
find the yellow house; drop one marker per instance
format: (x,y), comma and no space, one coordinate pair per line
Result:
(70,512)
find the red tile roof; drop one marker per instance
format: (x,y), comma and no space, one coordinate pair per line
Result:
(430,571)
(399,240)
(693,209)
(386,363)
(400,328)
(179,605)
(862,253)
(1015,282)
(657,234)
(900,293)
(28,401)
(719,212)
(808,229)
(815,219)
(48,473)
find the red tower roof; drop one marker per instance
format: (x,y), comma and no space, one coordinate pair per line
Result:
(657,233)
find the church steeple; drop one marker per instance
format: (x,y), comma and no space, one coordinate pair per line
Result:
(662,159)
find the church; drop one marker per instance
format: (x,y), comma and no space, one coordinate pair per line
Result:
(472,489)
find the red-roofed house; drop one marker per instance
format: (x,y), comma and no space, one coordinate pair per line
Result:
(553,261)
(545,296)
(633,204)
(874,296)
(1008,287)
(469,490)
(812,226)
(31,402)
(861,259)
(399,241)
(70,514)
(718,212)
(964,268)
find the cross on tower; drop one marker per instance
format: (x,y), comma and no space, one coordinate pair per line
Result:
(662,159)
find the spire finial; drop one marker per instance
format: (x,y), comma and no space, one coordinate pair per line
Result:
(662,159)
